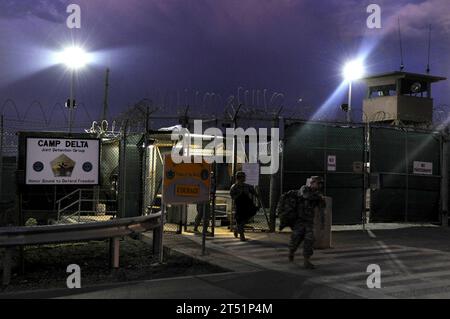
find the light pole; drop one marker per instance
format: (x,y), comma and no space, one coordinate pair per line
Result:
(353,70)
(74,58)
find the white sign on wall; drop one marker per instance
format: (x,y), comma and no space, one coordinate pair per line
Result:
(423,168)
(331,161)
(251,171)
(57,161)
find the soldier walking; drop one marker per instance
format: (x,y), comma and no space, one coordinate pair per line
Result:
(309,201)
(203,211)
(243,198)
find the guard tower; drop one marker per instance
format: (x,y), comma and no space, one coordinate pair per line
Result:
(399,97)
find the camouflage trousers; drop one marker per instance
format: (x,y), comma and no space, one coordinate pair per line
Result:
(302,232)
(199,217)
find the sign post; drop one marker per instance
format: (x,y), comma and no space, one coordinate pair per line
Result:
(161,234)
(187,183)
(205,228)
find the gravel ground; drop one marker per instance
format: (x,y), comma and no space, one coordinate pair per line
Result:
(45,266)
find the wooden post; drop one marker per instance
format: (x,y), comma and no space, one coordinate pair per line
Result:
(444,178)
(7,264)
(161,234)
(158,237)
(205,227)
(114,252)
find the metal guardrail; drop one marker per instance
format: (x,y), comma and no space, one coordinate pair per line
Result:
(11,237)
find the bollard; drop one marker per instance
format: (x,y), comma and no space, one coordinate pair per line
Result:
(114,252)
(7,264)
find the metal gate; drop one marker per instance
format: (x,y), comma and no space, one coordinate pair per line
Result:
(405,175)
(130,176)
(334,152)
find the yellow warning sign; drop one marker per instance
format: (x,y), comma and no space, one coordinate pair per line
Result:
(187,190)
(186,183)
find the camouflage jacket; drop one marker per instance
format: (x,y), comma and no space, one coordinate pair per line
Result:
(310,201)
(237,190)
(243,196)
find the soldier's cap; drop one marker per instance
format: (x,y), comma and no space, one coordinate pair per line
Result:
(240,174)
(318,179)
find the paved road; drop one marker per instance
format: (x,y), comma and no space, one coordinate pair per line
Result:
(406,271)
(415,263)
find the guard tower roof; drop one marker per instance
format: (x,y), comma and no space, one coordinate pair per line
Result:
(404,75)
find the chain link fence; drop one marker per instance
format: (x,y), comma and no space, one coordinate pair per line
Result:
(334,152)
(405,175)
(132,168)
(8,167)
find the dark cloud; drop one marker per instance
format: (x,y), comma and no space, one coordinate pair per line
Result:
(49,10)
(291,46)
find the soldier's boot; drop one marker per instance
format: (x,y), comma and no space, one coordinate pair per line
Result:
(308,264)
(235,233)
(242,236)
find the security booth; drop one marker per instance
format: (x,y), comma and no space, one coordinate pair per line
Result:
(399,97)
(182,217)
(59,179)
(179,217)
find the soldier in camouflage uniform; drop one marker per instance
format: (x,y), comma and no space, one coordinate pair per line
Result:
(202,208)
(309,200)
(239,189)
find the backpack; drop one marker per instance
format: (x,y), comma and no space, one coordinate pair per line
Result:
(287,209)
(245,208)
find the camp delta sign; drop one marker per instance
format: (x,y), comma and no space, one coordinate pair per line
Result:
(58,161)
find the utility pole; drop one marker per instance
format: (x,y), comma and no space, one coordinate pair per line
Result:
(275,182)
(1,156)
(234,165)
(349,111)
(444,178)
(71,104)
(105,98)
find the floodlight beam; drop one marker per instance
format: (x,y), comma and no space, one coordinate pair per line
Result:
(353,70)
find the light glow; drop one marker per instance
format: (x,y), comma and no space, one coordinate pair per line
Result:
(74,58)
(353,70)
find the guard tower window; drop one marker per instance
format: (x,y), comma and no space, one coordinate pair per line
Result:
(417,88)
(385,90)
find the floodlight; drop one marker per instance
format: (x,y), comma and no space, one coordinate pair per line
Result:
(74,58)
(353,70)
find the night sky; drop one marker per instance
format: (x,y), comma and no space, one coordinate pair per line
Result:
(296,47)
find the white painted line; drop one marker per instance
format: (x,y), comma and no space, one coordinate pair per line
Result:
(361,292)
(371,234)
(394,259)
(416,286)
(359,278)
